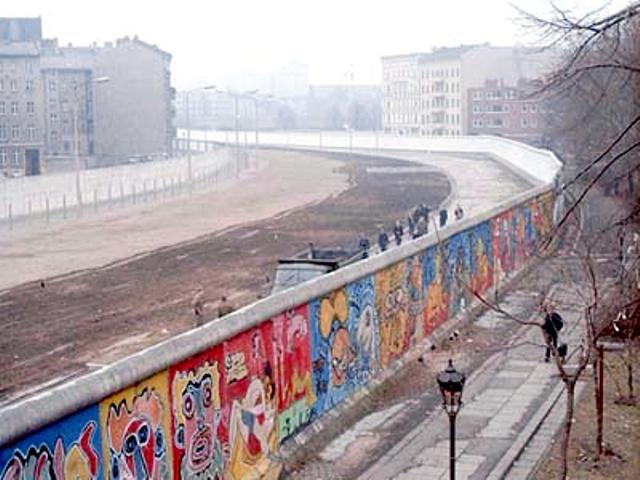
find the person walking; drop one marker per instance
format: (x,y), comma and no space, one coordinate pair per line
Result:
(553,323)
(422,228)
(444,215)
(364,245)
(458,213)
(398,231)
(383,240)
(411,226)
(425,212)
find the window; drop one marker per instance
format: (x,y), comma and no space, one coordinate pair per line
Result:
(3,157)
(31,132)
(54,135)
(29,66)
(534,108)
(16,157)
(14,85)
(14,108)
(15,132)
(477,109)
(1,84)
(29,85)
(534,122)
(3,132)
(505,107)
(52,86)
(2,110)
(525,108)
(53,117)
(477,122)
(524,123)
(31,108)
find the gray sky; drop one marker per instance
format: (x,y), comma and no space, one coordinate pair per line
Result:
(210,39)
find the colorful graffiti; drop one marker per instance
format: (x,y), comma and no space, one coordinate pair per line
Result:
(224,412)
(292,367)
(198,432)
(60,452)
(392,309)
(135,424)
(343,342)
(481,251)
(435,287)
(251,404)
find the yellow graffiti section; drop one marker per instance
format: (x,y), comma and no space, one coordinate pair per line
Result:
(133,421)
(391,304)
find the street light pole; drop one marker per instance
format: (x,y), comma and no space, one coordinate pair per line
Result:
(188,119)
(76,136)
(451,383)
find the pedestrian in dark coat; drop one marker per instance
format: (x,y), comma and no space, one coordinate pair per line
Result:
(383,240)
(412,226)
(553,323)
(425,212)
(398,231)
(422,228)
(443,217)
(364,245)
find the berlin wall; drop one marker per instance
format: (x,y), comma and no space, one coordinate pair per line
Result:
(220,400)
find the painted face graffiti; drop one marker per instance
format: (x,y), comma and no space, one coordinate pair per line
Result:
(79,462)
(137,440)
(197,416)
(342,357)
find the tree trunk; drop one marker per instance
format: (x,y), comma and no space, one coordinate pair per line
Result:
(568,422)
(630,374)
(598,380)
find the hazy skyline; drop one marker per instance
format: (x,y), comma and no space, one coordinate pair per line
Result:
(212,40)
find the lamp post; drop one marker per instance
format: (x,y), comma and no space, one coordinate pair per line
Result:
(451,383)
(188,121)
(76,135)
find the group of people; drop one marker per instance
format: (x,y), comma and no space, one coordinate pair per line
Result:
(417,226)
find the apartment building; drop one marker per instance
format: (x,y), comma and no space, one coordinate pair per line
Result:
(425,93)
(67,80)
(135,106)
(507,110)
(21,107)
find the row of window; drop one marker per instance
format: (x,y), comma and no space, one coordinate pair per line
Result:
(16,157)
(494,95)
(423,73)
(13,85)
(398,89)
(437,102)
(14,108)
(28,65)
(504,108)
(14,132)
(425,119)
(504,123)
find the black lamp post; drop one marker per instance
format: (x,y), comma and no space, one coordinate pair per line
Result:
(451,383)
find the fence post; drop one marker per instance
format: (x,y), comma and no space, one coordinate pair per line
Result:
(46,203)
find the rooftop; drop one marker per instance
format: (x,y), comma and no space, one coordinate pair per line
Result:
(19,49)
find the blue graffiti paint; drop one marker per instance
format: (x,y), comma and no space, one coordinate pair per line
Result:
(70,446)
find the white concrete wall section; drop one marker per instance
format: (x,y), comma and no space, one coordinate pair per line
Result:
(539,164)
(30,195)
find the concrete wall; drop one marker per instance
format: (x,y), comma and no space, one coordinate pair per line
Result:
(221,399)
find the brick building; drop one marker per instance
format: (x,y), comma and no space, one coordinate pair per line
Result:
(511,111)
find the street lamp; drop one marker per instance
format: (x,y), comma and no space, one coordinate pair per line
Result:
(451,383)
(76,136)
(188,119)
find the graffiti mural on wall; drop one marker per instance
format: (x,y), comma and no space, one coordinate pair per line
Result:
(459,264)
(68,450)
(415,300)
(198,432)
(135,424)
(392,309)
(481,257)
(251,404)
(502,241)
(344,342)
(435,287)
(292,367)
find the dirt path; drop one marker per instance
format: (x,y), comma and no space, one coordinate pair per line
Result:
(283,180)
(100,315)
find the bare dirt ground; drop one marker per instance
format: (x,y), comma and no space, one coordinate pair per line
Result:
(279,182)
(101,314)
(621,430)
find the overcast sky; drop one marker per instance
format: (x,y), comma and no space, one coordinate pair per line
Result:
(210,39)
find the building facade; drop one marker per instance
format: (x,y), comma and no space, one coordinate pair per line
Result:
(135,107)
(21,109)
(67,80)
(425,93)
(505,110)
